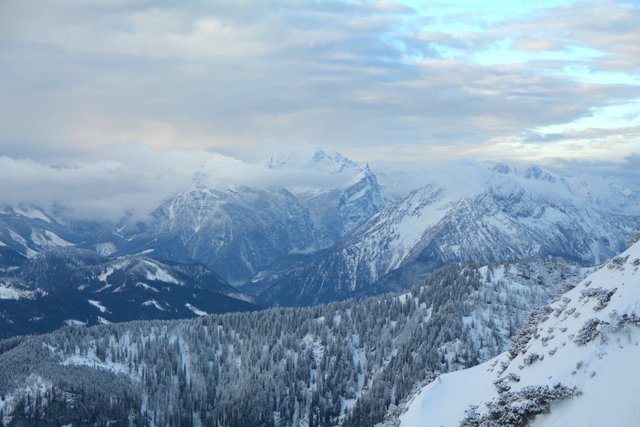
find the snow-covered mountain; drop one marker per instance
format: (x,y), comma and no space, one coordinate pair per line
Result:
(27,230)
(491,215)
(236,232)
(575,363)
(344,363)
(67,286)
(241,231)
(338,211)
(321,161)
(335,211)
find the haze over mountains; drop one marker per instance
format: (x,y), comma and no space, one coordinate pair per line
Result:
(346,237)
(394,288)
(176,249)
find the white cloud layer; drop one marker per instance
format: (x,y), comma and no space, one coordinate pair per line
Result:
(135,178)
(371,79)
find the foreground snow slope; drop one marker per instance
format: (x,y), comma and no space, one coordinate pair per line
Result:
(587,341)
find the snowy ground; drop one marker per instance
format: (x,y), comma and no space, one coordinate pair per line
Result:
(600,362)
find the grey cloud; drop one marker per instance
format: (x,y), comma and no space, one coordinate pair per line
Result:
(589,134)
(134,178)
(627,170)
(226,74)
(608,26)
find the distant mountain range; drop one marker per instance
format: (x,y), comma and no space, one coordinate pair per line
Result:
(307,245)
(500,215)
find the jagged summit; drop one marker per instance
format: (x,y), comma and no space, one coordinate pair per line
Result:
(495,217)
(533,172)
(330,162)
(322,161)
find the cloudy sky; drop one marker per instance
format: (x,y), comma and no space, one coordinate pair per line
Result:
(550,81)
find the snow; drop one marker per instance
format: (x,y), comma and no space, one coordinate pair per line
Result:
(74,322)
(91,360)
(48,239)
(56,240)
(104,321)
(105,248)
(157,273)
(443,402)
(98,305)
(146,287)
(153,302)
(8,292)
(32,213)
(603,369)
(196,310)
(29,253)
(2,243)
(242,297)
(110,270)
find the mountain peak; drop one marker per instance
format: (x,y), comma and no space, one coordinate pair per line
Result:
(330,162)
(504,169)
(323,161)
(539,174)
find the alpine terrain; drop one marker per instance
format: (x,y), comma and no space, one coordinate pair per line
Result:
(574,363)
(347,363)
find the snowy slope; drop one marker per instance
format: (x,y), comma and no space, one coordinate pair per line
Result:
(28,230)
(587,342)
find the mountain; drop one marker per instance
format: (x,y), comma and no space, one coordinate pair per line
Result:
(65,286)
(353,197)
(27,230)
(242,231)
(338,211)
(328,162)
(574,363)
(344,363)
(492,215)
(237,232)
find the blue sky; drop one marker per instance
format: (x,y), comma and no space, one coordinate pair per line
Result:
(545,81)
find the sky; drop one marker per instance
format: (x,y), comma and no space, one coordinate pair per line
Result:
(552,81)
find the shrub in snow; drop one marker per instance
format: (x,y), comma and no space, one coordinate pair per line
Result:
(589,331)
(532,357)
(618,322)
(633,240)
(502,384)
(517,408)
(618,262)
(602,295)
(520,341)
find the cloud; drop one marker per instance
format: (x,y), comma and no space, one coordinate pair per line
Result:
(134,178)
(360,77)
(626,171)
